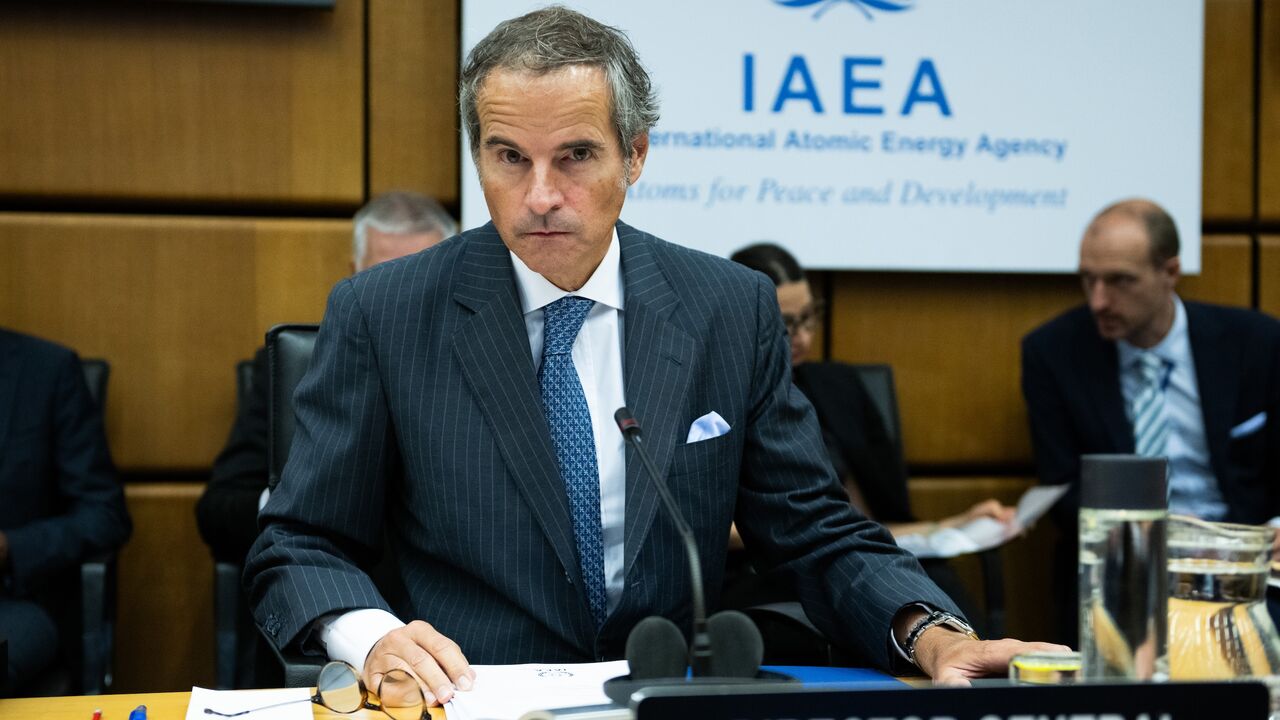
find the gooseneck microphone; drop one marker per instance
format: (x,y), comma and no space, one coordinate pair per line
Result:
(700,650)
(727,648)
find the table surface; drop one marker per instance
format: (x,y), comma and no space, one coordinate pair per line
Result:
(160,706)
(173,705)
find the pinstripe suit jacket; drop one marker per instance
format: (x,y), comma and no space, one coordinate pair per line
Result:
(421,415)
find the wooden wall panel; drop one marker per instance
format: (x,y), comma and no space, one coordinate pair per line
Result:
(172,303)
(1228,110)
(1269,114)
(413,105)
(953,341)
(1269,275)
(182,102)
(1226,275)
(164,632)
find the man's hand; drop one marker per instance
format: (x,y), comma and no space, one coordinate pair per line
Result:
(953,658)
(435,660)
(991,508)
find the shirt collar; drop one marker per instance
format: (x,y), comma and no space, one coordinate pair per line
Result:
(604,286)
(1170,346)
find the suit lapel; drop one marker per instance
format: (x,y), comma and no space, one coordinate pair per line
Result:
(492,348)
(658,360)
(1098,359)
(1217,383)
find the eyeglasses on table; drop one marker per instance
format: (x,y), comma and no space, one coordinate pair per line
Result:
(340,689)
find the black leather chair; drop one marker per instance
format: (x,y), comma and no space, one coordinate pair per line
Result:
(97,580)
(878,380)
(88,644)
(790,637)
(233,627)
(289,350)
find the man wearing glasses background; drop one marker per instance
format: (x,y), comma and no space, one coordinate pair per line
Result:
(866,459)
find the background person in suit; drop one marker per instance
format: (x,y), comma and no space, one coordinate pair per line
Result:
(1137,369)
(863,455)
(462,400)
(62,502)
(389,226)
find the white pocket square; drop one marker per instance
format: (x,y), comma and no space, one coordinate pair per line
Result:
(1250,426)
(707,427)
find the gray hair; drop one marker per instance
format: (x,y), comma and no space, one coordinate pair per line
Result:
(1162,231)
(552,38)
(399,213)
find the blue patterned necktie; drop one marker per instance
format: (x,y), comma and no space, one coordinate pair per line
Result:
(1150,423)
(565,406)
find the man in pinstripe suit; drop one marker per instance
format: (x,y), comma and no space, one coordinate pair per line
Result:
(425,415)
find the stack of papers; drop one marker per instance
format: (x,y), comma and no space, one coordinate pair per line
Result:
(509,691)
(984,533)
(297,703)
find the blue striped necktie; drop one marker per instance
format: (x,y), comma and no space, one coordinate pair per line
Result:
(565,407)
(1150,422)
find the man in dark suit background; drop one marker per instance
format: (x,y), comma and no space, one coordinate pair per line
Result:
(462,400)
(61,500)
(1138,369)
(389,226)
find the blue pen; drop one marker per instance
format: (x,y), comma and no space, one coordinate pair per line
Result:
(139,713)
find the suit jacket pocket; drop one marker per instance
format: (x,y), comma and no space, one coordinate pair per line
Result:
(703,456)
(1247,454)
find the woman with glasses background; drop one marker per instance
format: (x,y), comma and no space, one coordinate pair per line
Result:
(865,458)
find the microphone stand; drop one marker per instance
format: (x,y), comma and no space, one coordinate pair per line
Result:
(700,649)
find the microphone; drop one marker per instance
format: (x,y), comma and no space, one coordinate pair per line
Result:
(700,650)
(727,648)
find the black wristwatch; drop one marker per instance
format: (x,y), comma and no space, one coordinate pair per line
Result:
(934,619)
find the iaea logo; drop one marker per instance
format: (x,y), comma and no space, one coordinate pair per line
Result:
(866,6)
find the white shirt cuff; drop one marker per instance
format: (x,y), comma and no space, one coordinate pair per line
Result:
(350,636)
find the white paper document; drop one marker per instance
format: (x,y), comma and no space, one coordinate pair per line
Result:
(505,692)
(233,701)
(984,533)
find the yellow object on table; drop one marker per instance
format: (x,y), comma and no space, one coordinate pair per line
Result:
(1047,668)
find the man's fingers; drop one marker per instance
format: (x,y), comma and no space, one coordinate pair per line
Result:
(952,678)
(392,653)
(441,664)
(991,508)
(396,663)
(967,659)
(435,661)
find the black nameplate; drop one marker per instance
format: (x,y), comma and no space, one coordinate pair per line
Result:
(1119,701)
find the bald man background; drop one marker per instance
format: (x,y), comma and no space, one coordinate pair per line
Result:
(1138,369)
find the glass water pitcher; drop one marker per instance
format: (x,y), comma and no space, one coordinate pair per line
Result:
(1218,623)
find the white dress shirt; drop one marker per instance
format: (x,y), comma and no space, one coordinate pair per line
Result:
(1193,489)
(597,355)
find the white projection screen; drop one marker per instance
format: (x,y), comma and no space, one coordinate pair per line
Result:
(924,135)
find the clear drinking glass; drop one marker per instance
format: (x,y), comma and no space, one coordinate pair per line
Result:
(1123,576)
(1123,594)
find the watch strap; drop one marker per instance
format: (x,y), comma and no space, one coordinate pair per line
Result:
(932,620)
